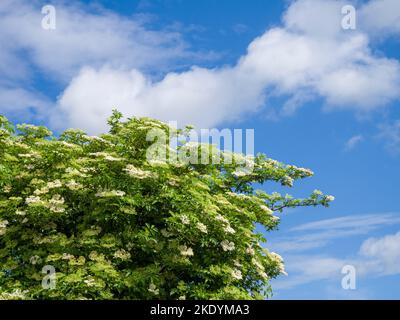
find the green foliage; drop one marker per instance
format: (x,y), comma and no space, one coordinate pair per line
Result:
(116,226)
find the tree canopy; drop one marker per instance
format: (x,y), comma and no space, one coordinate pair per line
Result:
(91,217)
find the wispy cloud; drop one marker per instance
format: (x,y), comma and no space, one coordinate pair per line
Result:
(353,142)
(376,256)
(320,233)
(390,134)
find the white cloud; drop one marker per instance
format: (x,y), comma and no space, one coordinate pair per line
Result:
(309,57)
(84,38)
(380,18)
(353,142)
(375,256)
(386,251)
(390,133)
(85,35)
(109,61)
(320,233)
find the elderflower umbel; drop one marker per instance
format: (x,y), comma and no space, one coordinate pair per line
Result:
(186,251)
(34,260)
(202,227)
(236,274)
(229,229)
(153,289)
(112,193)
(227,245)
(185,219)
(138,173)
(122,254)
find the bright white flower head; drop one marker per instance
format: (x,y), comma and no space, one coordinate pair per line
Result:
(138,173)
(266,209)
(186,251)
(221,218)
(185,219)
(153,289)
(34,260)
(250,251)
(227,245)
(229,229)
(236,274)
(112,193)
(54,184)
(122,254)
(202,227)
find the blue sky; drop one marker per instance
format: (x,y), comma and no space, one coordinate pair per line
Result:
(318,96)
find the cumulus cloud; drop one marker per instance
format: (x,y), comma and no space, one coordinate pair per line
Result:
(85,35)
(381,18)
(385,250)
(107,60)
(375,256)
(390,133)
(309,57)
(318,234)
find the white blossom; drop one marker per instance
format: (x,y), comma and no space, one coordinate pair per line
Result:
(54,184)
(138,173)
(229,229)
(73,185)
(266,209)
(153,289)
(122,254)
(202,227)
(90,282)
(250,251)
(112,193)
(236,274)
(185,219)
(34,260)
(186,251)
(227,245)
(221,218)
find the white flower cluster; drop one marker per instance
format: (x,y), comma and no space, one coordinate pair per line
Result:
(30,155)
(56,204)
(227,245)
(122,254)
(278,259)
(73,185)
(266,209)
(227,227)
(236,274)
(15,295)
(138,173)
(330,198)
(112,193)
(54,184)
(35,260)
(90,282)
(98,139)
(3,227)
(185,219)
(250,251)
(186,251)
(106,156)
(153,289)
(7,189)
(202,227)
(34,201)
(75,172)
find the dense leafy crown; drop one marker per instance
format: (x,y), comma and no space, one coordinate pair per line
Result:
(114,225)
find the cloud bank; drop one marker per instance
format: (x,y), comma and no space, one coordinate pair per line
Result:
(309,57)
